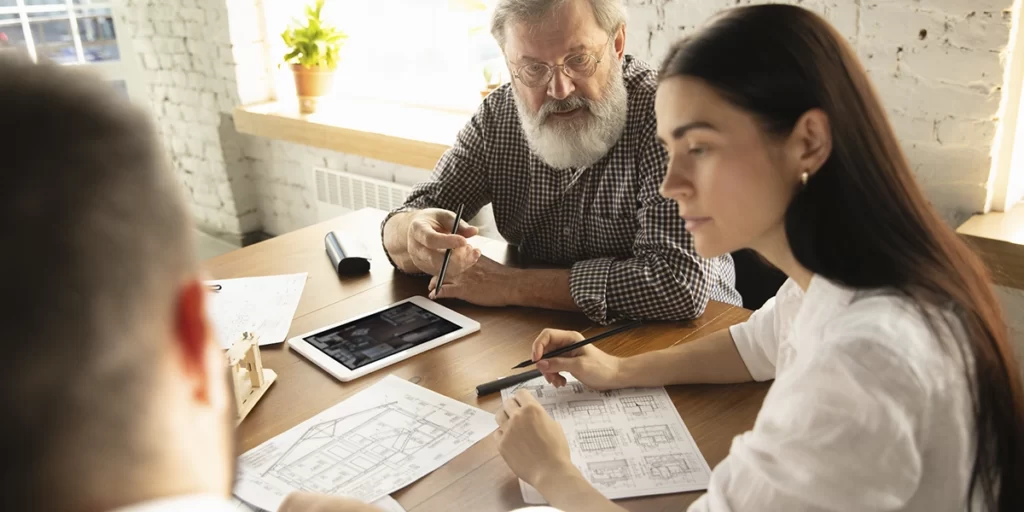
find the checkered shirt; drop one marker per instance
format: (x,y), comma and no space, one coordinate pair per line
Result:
(629,254)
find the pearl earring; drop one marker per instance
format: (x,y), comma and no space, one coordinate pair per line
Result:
(804,177)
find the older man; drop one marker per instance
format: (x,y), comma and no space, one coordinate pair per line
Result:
(568,157)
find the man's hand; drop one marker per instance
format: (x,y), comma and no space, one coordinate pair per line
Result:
(310,502)
(429,236)
(487,283)
(531,442)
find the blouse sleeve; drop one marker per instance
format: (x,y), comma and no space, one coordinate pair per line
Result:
(837,432)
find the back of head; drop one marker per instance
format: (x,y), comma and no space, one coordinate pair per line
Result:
(862,220)
(95,239)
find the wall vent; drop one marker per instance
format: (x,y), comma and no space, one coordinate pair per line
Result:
(339,192)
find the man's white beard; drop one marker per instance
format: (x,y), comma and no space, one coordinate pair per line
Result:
(581,141)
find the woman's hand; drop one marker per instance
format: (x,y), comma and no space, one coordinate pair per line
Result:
(530,441)
(591,366)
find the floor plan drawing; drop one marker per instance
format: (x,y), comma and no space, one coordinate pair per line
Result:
(639,405)
(597,440)
(587,408)
(653,436)
(376,442)
(626,442)
(610,473)
(673,467)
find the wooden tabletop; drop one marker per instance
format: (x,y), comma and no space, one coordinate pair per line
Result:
(478,479)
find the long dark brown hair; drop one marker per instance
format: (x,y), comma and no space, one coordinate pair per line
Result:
(862,220)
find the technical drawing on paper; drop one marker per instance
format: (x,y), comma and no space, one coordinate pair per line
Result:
(610,473)
(597,440)
(587,408)
(675,467)
(639,405)
(627,442)
(653,436)
(332,454)
(376,442)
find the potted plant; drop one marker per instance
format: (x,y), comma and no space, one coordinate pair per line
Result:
(313,56)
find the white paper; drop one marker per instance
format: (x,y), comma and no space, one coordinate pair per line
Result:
(387,504)
(626,442)
(261,305)
(378,441)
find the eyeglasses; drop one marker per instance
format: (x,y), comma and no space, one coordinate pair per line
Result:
(538,74)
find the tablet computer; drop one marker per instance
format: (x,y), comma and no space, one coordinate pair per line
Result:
(364,344)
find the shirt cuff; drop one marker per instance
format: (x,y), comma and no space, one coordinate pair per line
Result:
(760,368)
(588,285)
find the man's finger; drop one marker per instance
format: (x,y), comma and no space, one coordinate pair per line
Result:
(425,234)
(466,230)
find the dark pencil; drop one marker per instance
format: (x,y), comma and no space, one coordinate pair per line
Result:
(448,253)
(511,380)
(574,346)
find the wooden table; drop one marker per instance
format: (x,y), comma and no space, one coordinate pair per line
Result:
(478,479)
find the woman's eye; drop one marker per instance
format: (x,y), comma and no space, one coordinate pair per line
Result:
(698,150)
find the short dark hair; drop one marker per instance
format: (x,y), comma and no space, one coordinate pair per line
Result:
(95,241)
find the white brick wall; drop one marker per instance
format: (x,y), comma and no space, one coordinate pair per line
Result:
(185,53)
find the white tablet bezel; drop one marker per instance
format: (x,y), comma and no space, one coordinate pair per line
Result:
(341,372)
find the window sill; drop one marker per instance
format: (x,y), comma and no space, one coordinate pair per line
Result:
(998,238)
(406,135)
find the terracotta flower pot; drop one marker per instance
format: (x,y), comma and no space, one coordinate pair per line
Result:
(312,84)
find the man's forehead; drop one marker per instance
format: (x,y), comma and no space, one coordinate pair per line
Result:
(526,42)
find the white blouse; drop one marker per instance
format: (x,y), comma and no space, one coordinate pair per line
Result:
(869,410)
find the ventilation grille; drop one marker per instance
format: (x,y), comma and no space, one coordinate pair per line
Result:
(339,192)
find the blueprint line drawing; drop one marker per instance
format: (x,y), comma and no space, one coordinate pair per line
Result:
(597,440)
(587,408)
(639,405)
(612,472)
(674,467)
(626,442)
(366,447)
(652,436)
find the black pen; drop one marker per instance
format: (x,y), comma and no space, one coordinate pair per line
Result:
(569,348)
(502,383)
(448,253)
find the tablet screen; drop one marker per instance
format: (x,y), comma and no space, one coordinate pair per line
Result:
(374,337)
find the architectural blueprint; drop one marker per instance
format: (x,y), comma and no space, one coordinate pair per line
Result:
(626,442)
(378,441)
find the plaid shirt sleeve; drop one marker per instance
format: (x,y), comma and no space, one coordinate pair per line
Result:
(460,175)
(665,279)
(458,178)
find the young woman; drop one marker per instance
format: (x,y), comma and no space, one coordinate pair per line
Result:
(895,384)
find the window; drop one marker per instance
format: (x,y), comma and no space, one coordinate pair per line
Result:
(71,32)
(417,52)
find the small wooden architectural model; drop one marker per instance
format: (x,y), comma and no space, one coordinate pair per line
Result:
(249,379)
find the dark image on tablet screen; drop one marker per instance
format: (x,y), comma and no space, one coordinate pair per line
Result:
(372,338)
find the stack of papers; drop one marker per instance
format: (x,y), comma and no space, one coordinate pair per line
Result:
(263,306)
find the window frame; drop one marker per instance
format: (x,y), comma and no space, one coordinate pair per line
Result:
(123,70)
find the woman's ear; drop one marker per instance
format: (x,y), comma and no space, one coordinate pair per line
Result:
(810,142)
